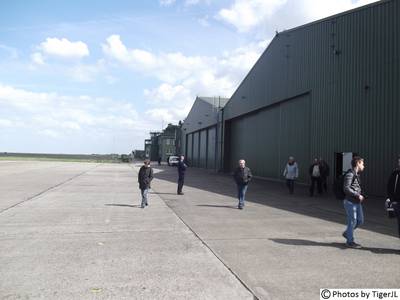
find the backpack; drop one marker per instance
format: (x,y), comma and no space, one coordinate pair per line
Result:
(338,186)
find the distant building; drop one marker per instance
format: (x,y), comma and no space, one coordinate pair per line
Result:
(139,154)
(201,133)
(163,144)
(147,148)
(151,146)
(167,142)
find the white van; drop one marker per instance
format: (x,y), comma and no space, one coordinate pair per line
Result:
(173,160)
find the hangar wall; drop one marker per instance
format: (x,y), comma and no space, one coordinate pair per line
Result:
(325,87)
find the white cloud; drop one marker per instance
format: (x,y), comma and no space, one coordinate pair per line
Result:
(196,2)
(64,48)
(204,21)
(185,77)
(6,123)
(269,15)
(161,115)
(192,2)
(167,2)
(138,58)
(167,93)
(169,67)
(57,116)
(86,72)
(247,14)
(37,58)
(50,133)
(314,10)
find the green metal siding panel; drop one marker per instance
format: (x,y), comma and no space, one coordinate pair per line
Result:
(195,158)
(294,134)
(211,150)
(189,150)
(203,149)
(266,139)
(350,63)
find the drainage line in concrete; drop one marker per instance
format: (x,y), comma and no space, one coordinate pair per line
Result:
(209,248)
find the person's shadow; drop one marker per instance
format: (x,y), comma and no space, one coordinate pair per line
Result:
(157,193)
(123,205)
(217,206)
(300,242)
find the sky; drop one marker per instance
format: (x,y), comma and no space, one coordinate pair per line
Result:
(96,76)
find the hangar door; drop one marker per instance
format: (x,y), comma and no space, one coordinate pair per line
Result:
(266,138)
(201,146)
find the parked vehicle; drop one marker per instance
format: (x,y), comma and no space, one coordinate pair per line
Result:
(173,160)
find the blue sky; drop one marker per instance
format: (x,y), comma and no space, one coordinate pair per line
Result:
(97,76)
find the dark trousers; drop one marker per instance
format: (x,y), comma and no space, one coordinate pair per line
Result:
(181,180)
(324,184)
(398,222)
(396,207)
(319,187)
(290,185)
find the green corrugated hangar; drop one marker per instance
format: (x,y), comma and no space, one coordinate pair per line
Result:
(327,89)
(202,132)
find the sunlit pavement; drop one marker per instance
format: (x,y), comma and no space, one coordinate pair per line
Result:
(76,231)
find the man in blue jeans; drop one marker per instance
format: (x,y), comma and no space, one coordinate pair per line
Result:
(242,176)
(393,191)
(353,201)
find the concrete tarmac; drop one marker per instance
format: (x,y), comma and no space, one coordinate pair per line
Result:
(284,246)
(75,231)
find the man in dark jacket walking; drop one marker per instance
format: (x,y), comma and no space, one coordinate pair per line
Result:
(315,174)
(181,174)
(393,191)
(242,176)
(353,200)
(145,177)
(324,169)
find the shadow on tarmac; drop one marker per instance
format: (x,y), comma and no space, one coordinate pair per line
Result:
(300,242)
(156,193)
(275,194)
(124,205)
(218,206)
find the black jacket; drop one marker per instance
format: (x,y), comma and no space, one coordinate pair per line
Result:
(181,168)
(242,176)
(393,186)
(324,169)
(352,186)
(145,177)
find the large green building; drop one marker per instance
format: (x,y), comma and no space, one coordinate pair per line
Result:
(327,89)
(202,133)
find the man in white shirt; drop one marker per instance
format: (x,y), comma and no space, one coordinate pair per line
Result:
(315,174)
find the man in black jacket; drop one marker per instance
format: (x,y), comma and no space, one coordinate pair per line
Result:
(145,177)
(353,200)
(324,168)
(181,174)
(393,191)
(242,176)
(315,175)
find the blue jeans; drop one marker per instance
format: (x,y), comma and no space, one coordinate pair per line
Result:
(242,188)
(355,218)
(144,196)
